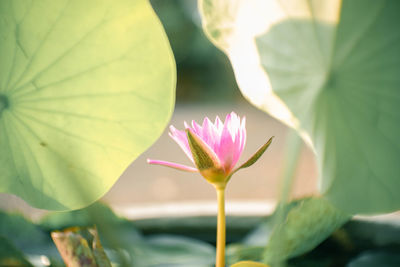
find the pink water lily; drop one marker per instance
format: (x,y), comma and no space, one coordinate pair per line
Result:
(214,148)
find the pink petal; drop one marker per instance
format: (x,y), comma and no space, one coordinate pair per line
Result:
(187,126)
(244,136)
(181,139)
(219,126)
(236,149)
(197,129)
(172,165)
(240,140)
(234,125)
(226,145)
(232,141)
(209,133)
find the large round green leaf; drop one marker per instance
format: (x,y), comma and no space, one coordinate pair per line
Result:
(85,87)
(330,69)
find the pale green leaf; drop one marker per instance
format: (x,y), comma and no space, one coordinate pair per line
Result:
(85,87)
(329,69)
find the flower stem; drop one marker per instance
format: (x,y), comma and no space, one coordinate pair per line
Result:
(221,228)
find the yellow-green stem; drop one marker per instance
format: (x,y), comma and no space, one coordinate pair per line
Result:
(220,258)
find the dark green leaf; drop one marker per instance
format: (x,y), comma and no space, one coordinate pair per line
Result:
(25,235)
(306,225)
(376,258)
(171,251)
(11,256)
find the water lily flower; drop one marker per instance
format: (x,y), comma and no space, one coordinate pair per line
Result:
(214,148)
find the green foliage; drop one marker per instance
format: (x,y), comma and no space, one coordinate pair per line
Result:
(28,239)
(330,70)
(115,232)
(85,87)
(122,242)
(82,218)
(17,228)
(143,246)
(11,256)
(306,224)
(168,250)
(376,258)
(294,229)
(243,252)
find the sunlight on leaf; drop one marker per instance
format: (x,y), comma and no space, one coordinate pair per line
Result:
(329,69)
(85,88)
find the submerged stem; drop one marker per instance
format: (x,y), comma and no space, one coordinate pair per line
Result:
(221,228)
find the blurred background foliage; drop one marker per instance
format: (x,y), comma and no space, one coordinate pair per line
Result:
(204,72)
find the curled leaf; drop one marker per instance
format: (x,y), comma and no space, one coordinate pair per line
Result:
(80,247)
